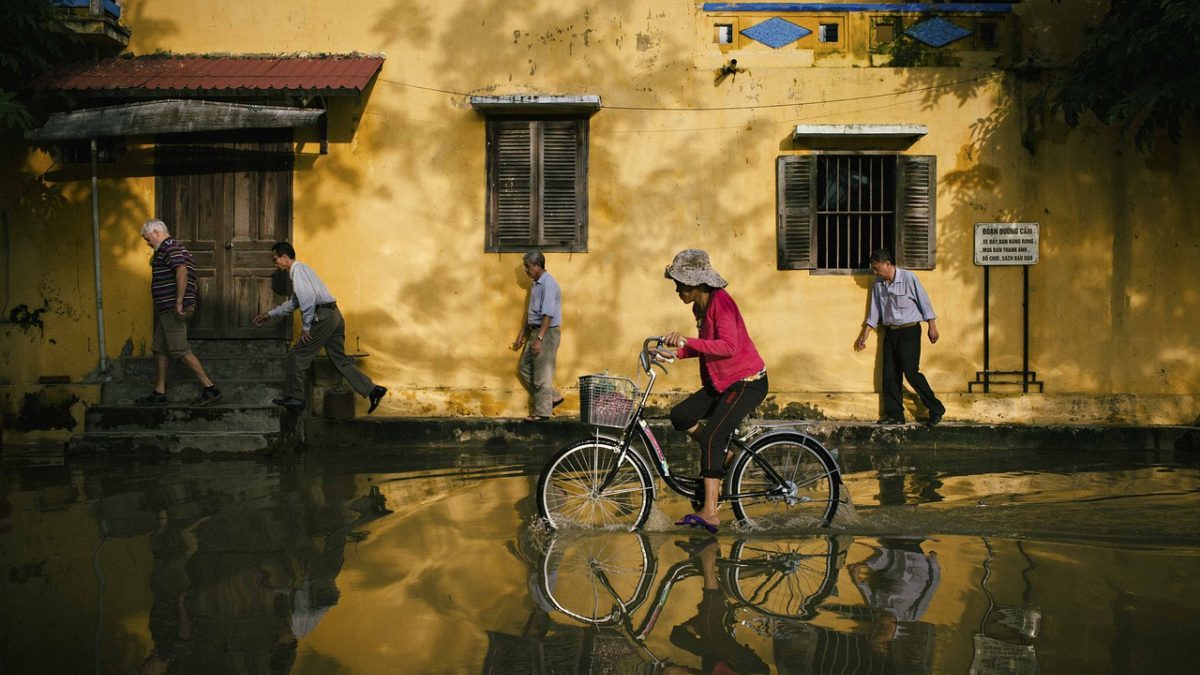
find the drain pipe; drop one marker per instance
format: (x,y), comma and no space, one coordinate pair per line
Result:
(96,258)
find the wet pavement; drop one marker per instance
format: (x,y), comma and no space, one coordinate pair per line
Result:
(982,561)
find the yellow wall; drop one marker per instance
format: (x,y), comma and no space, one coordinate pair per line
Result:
(393,217)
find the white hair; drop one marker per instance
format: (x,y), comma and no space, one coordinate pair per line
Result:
(155,225)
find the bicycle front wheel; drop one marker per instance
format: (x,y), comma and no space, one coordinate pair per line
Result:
(571,490)
(807,495)
(596,577)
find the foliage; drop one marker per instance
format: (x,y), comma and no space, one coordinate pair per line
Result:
(33,40)
(1139,70)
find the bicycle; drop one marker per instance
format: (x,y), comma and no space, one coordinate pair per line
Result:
(779,476)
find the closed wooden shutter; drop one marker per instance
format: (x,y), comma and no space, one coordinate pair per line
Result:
(916,235)
(796,232)
(561,183)
(513,216)
(537,182)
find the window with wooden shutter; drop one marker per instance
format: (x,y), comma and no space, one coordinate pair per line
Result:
(835,209)
(537,184)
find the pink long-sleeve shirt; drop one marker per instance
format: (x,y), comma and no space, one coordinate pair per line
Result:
(727,354)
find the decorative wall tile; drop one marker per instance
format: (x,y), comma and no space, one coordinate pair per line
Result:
(937,32)
(776,32)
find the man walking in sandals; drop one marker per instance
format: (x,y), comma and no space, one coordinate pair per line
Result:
(540,336)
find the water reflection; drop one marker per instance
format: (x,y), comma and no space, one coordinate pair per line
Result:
(236,586)
(242,566)
(761,601)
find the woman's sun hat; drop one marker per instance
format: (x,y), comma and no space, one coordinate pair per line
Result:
(691,267)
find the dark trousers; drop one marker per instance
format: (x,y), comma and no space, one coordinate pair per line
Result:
(724,411)
(902,359)
(328,331)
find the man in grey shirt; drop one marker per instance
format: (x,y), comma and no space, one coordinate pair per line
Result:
(898,305)
(322,326)
(540,336)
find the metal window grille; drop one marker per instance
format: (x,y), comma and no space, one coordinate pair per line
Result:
(856,209)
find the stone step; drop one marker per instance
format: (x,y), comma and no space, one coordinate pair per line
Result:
(266,369)
(219,417)
(269,348)
(159,443)
(184,391)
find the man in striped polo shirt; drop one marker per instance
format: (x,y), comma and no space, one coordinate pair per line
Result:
(173,287)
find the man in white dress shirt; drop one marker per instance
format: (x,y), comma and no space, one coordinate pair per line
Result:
(322,326)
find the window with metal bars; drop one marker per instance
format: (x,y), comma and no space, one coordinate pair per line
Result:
(835,209)
(537,184)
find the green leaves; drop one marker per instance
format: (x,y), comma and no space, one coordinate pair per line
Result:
(1139,70)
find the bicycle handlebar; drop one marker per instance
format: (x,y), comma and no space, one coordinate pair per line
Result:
(654,356)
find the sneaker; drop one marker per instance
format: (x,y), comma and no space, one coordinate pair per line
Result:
(291,403)
(207,396)
(153,398)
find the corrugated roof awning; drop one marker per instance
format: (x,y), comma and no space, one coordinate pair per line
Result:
(161,76)
(147,118)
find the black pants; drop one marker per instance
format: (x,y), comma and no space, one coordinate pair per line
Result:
(902,359)
(724,411)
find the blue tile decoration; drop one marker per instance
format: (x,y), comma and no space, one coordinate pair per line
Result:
(937,32)
(776,32)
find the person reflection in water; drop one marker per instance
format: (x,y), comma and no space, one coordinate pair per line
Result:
(898,582)
(709,634)
(235,591)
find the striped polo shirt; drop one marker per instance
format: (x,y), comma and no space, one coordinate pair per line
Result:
(169,255)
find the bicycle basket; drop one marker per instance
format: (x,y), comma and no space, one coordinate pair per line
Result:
(606,401)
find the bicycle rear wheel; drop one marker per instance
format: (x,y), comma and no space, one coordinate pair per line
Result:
(785,578)
(810,489)
(569,489)
(590,576)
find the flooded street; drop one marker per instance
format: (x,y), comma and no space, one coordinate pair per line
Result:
(950,561)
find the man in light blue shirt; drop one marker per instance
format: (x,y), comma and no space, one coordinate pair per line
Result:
(540,336)
(322,325)
(898,306)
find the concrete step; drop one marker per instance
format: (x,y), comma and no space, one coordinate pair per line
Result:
(219,417)
(269,348)
(243,392)
(159,443)
(263,368)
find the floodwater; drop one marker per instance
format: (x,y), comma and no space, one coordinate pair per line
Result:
(428,561)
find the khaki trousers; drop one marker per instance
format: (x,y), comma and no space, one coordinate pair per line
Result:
(328,331)
(537,372)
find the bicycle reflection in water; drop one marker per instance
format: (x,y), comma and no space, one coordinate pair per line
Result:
(607,582)
(768,604)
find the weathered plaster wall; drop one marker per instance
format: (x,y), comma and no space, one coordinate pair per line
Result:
(393,216)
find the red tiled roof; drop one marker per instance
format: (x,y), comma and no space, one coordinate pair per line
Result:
(159,75)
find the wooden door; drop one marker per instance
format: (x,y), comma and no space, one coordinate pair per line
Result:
(228,198)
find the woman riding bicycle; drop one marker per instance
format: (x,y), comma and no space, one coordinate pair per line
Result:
(734,376)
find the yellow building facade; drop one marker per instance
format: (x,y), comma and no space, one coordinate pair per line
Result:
(686,110)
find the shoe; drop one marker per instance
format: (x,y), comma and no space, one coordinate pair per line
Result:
(153,398)
(696,545)
(375,397)
(693,520)
(934,418)
(207,396)
(890,420)
(537,418)
(291,403)
(557,403)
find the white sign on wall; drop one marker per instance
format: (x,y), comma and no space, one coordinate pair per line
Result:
(1006,243)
